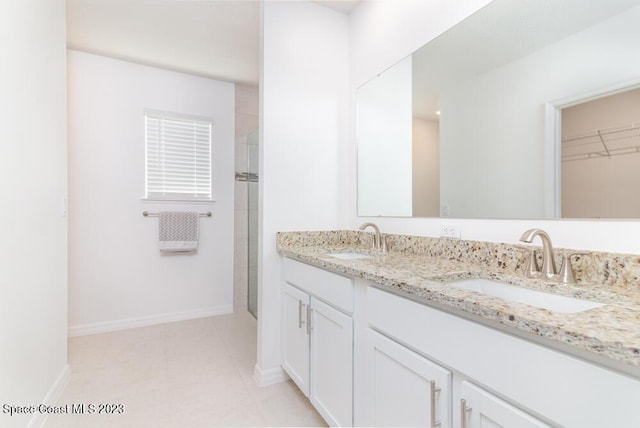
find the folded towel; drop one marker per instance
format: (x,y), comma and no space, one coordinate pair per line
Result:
(178,230)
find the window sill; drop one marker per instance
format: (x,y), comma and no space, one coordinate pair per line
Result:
(178,201)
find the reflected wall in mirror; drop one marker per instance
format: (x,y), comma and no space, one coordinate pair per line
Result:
(384,151)
(601,157)
(495,79)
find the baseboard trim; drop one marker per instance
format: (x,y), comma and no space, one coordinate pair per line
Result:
(38,419)
(270,376)
(105,327)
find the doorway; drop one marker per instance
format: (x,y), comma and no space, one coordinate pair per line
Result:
(600,157)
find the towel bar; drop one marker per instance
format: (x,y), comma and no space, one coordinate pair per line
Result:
(148,214)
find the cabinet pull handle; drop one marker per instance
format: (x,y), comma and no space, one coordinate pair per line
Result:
(464,409)
(434,423)
(309,311)
(300,305)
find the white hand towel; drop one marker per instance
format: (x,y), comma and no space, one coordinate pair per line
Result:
(178,230)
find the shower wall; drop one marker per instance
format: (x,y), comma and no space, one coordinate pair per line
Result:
(246,123)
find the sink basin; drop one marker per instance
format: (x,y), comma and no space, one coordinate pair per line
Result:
(350,256)
(539,299)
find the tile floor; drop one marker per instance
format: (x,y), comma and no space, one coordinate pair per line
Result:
(196,373)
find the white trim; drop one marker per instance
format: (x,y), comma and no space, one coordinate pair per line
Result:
(170,114)
(55,392)
(108,326)
(596,93)
(552,170)
(270,376)
(177,201)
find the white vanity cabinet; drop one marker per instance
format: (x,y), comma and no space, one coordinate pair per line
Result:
(296,336)
(406,389)
(318,338)
(481,409)
(504,380)
(331,366)
(368,357)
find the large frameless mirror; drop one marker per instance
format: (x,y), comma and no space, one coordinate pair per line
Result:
(484,121)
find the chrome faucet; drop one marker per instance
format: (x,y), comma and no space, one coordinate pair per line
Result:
(548,262)
(548,270)
(379,242)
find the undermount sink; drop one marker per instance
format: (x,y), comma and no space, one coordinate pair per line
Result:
(539,299)
(350,255)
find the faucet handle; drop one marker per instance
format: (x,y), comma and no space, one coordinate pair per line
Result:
(383,243)
(531,269)
(566,271)
(374,243)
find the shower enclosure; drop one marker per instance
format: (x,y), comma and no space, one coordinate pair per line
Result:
(250,177)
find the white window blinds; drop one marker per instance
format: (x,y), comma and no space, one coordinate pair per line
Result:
(178,158)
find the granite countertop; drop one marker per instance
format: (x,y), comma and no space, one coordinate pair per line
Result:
(611,331)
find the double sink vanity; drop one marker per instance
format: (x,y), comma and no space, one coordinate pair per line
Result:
(504,116)
(397,330)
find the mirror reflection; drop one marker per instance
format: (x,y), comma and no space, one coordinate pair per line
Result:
(475,124)
(600,155)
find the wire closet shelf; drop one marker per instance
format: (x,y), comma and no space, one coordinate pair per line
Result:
(606,142)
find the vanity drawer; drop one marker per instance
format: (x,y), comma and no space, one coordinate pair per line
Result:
(328,286)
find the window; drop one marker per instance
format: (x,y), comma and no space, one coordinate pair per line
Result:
(178,158)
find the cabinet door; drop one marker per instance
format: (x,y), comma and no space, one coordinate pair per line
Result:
(406,389)
(296,338)
(331,364)
(484,410)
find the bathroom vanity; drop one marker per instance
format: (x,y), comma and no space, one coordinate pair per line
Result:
(388,339)
(318,338)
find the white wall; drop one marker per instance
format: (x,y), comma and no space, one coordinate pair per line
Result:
(33,183)
(385,143)
(383,33)
(304,119)
(117,276)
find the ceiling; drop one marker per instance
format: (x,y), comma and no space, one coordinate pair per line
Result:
(344,6)
(210,38)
